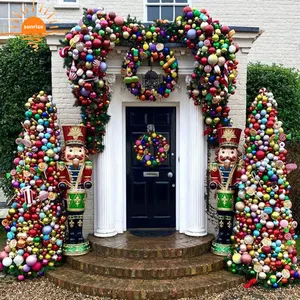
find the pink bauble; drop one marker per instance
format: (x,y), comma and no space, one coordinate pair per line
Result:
(246,259)
(243,248)
(3,254)
(16,161)
(69,36)
(31,260)
(1,267)
(137,142)
(119,20)
(37,267)
(270,225)
(161,150)
(45,262)
(21,277)
(284,223)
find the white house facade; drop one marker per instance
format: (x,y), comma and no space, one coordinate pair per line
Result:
(106,208)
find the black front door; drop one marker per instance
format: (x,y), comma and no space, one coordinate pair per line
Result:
(150,190)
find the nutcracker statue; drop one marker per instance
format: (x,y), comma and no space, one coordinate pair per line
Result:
(225,175)
(75,176)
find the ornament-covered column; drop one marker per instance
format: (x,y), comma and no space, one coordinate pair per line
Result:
(105,205)
(196,216)
(35,225)
(264,246)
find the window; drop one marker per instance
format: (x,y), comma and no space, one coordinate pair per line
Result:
(164,9)
(13,14)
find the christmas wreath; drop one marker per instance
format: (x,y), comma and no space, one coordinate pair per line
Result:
(155,53)
(143,151)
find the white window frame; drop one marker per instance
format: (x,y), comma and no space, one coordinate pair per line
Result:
(160,4)
(9,17)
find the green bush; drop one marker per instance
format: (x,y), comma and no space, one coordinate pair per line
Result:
(23,72)
(284,83)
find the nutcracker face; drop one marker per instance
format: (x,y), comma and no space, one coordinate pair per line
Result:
(227,155)
(75,154)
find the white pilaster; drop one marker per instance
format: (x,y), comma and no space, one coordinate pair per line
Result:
(196,219)
(105,206)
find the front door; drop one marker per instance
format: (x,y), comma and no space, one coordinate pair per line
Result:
(150,190)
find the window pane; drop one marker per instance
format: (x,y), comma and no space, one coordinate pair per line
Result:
(16,11)
(167,1)
(3,26)
(3,10)
(153,1)
(179,10)
(17,25)
(153,13)
(181,1)
(167,12)
(29,13)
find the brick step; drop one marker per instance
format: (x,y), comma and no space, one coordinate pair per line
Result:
(129,246)
(145,269)
(137,289)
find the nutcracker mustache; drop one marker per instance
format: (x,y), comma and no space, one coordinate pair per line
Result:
(227,164)
(75,162)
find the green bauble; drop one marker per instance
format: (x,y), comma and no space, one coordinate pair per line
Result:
(154,163)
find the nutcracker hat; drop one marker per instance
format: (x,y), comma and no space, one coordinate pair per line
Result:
(74,134)
(229,137)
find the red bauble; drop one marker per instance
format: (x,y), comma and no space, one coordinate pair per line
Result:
(260,154)
(97,43)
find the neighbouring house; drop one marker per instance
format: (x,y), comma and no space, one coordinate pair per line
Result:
(117,200)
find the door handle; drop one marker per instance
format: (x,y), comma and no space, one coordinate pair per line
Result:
(170,174)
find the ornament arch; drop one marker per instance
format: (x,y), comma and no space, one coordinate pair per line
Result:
(87,45)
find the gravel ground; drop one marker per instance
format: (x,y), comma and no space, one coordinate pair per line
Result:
(42,289)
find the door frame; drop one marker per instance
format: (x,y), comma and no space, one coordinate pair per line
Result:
(151,104)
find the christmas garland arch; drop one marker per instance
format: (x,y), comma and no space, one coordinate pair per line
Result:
(86,46)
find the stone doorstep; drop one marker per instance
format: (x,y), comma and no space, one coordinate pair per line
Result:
(146,269)
(137,289)
(127,246)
